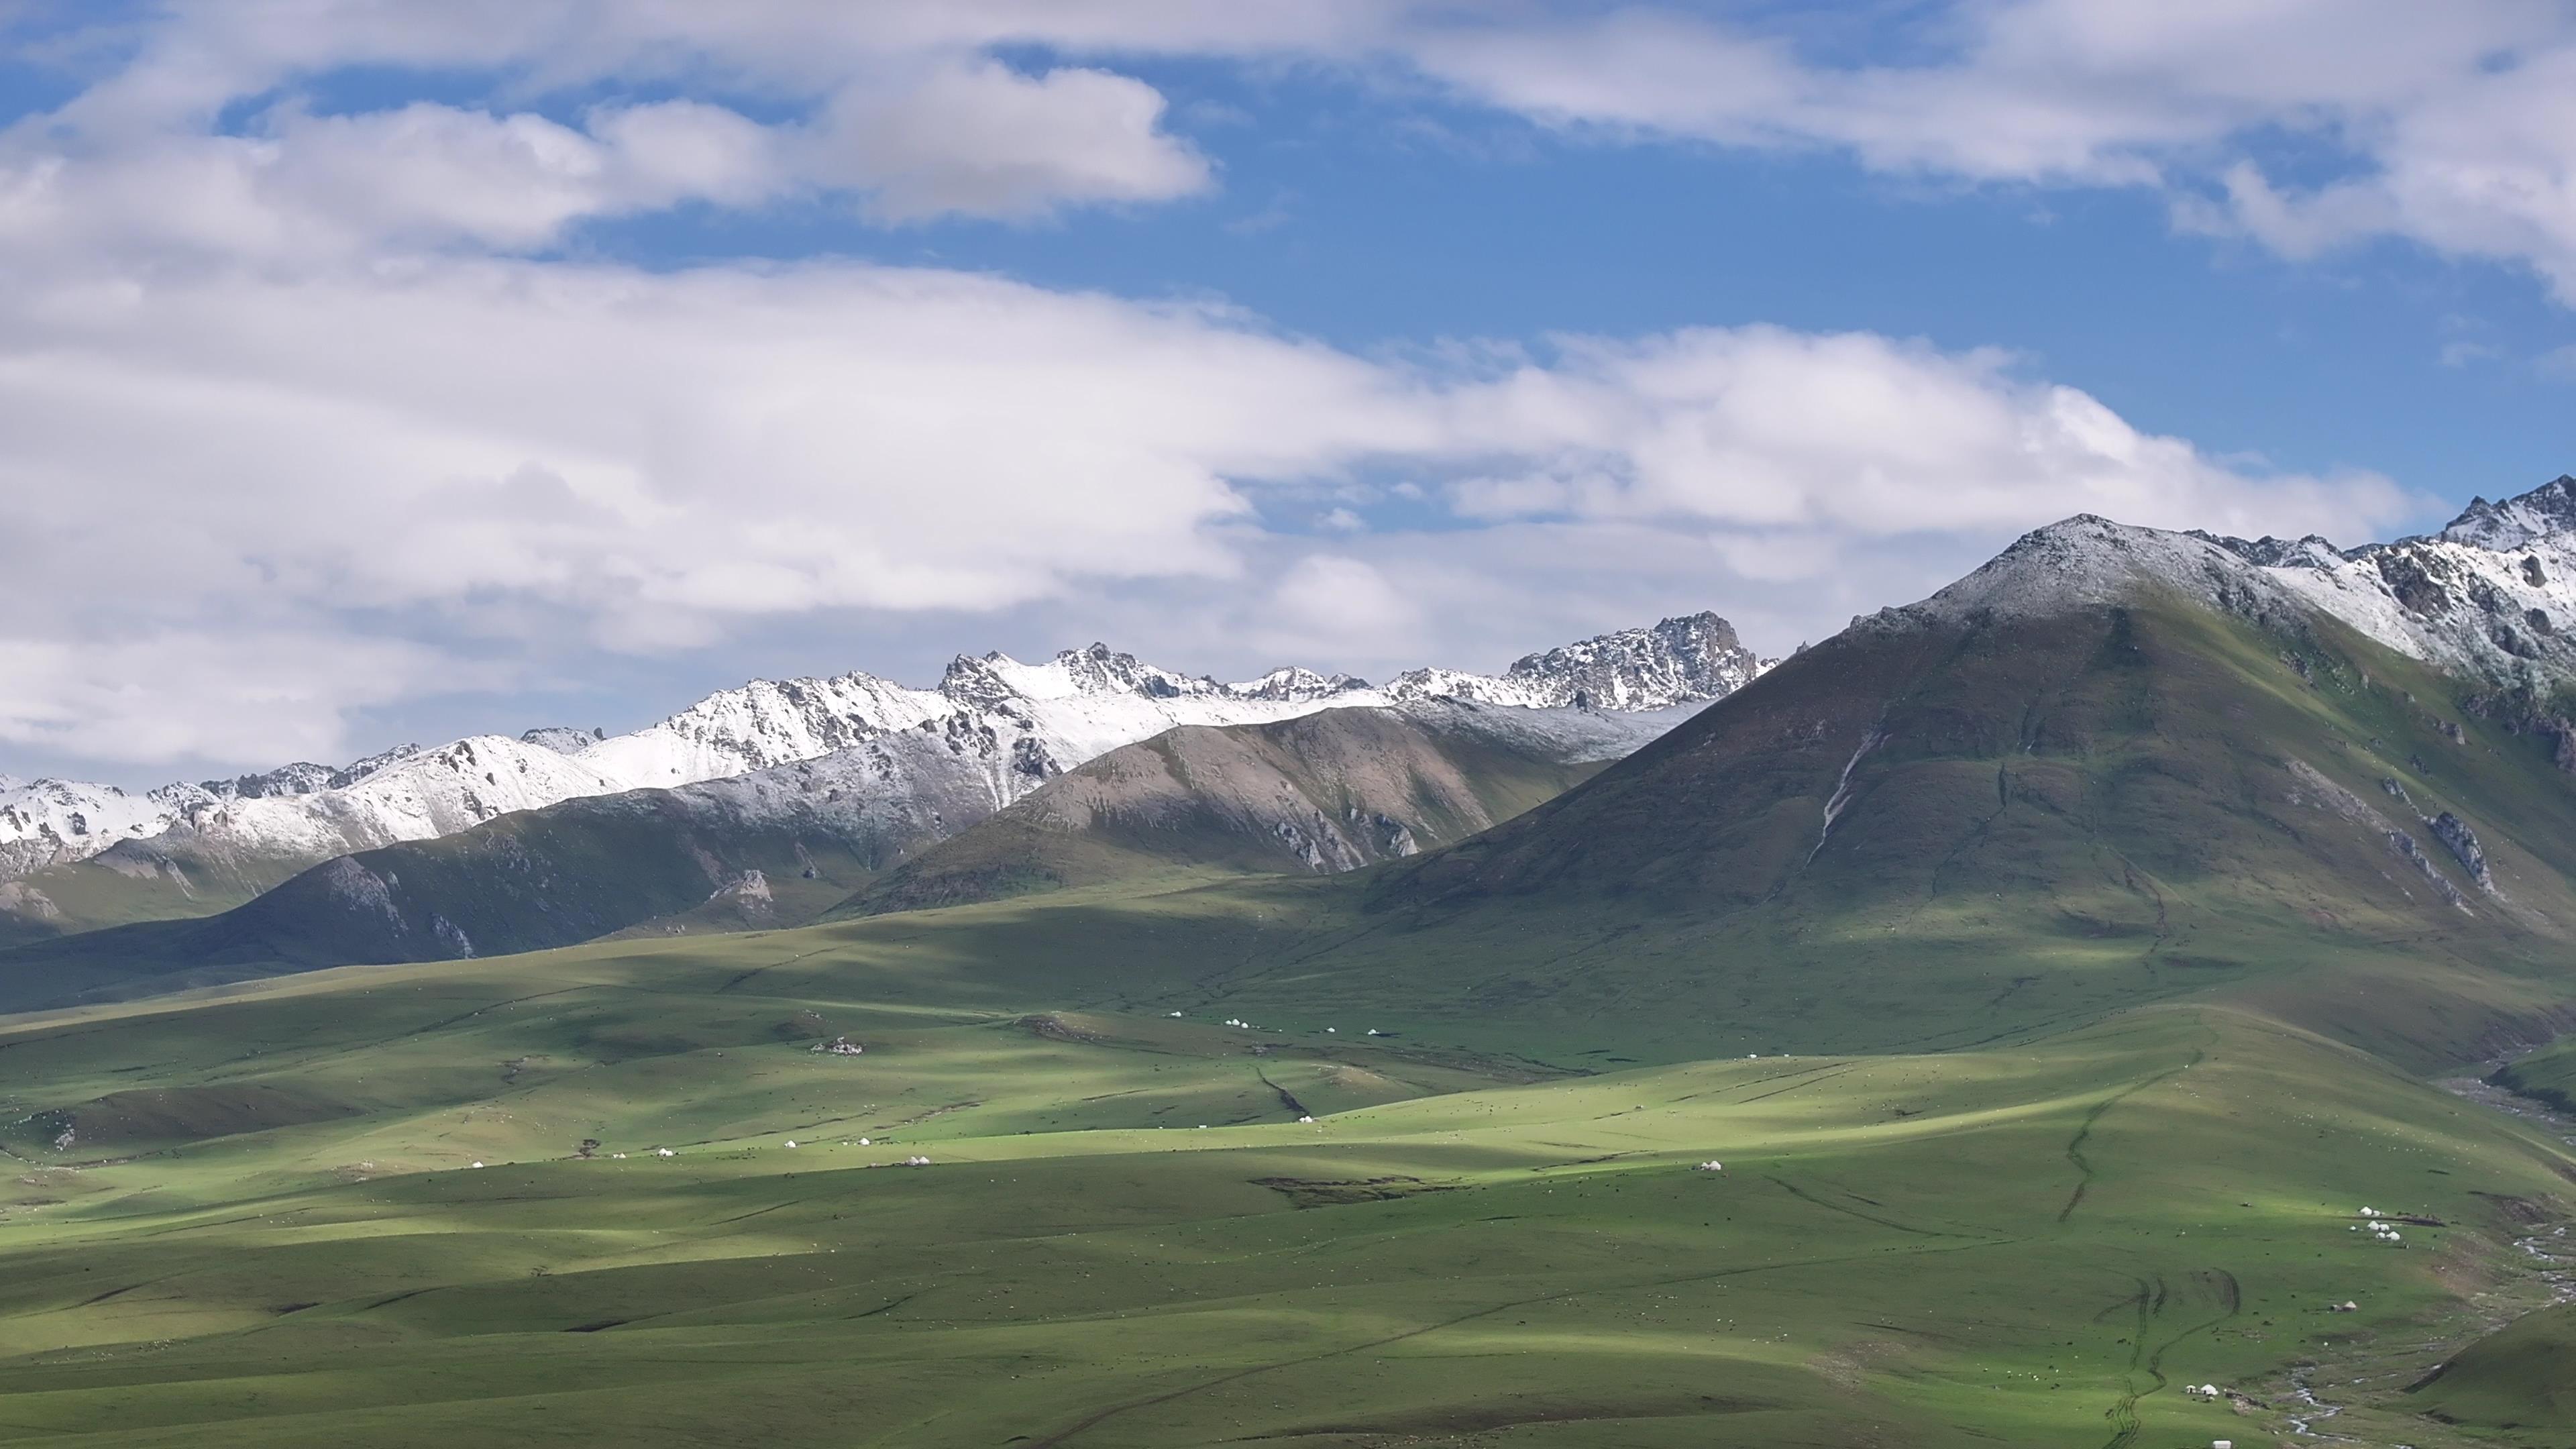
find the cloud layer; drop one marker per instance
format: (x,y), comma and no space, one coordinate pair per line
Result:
(644,462)
(2303,124)
(314,408)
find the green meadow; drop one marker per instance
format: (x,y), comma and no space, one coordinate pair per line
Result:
(268,1230)
(2046,1086)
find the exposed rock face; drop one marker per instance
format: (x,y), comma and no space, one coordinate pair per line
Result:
(2462,842)
(2490,597)
(1678,661)
(561,740)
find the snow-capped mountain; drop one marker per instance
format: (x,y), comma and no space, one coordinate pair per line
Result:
(563,741)
(1678,661)
(1007,724)
(2490,597)
(47,822)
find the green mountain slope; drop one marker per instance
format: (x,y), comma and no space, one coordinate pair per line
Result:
(1327,792)
(528,881)
(1964,819)
(163,879)
(2110,908)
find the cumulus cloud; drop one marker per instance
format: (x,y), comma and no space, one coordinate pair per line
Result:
(2443,124)
(1855,433)
(301,187)
(900,118)
(983,140)
(191,696)
(1336,606)
(2447,125)
(658,461)
(309,413)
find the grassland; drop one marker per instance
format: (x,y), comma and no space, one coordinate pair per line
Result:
(2047,1079)
(267,1228)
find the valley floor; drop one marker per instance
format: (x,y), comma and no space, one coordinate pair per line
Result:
(267,1228)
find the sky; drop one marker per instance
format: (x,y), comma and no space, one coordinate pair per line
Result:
(377,371)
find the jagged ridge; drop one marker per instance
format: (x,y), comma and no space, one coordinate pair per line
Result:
(1008,725)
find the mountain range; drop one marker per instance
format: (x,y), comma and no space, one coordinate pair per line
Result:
(767,803)
(2036,1014)
(1026,721)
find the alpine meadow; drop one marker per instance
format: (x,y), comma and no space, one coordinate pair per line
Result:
(2004,922)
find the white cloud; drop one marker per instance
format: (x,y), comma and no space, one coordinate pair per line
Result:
(304,188)
(1334,606)
(1759,428)
(983,140)
(184,696)
(297,427)
(642,462)
(879,104)
(2447,125)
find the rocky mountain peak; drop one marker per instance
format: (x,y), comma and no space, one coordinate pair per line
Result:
(2088,561)
(1688,660)
(2311,551)
(1696,656)
(1295,682)
(1009,724)
(2548,511)
(304,777)
(562,740)
(1103,670)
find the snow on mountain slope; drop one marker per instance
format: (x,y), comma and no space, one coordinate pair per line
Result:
(2491,597)
(430,793)
(561,740)
(763,723)
(1696,657)
(1006,724)
(48,822)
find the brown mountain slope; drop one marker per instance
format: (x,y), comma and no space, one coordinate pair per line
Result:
(1325,793)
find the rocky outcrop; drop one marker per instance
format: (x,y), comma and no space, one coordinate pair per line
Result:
(2462,842)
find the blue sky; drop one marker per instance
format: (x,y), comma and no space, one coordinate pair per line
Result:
(401,374)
